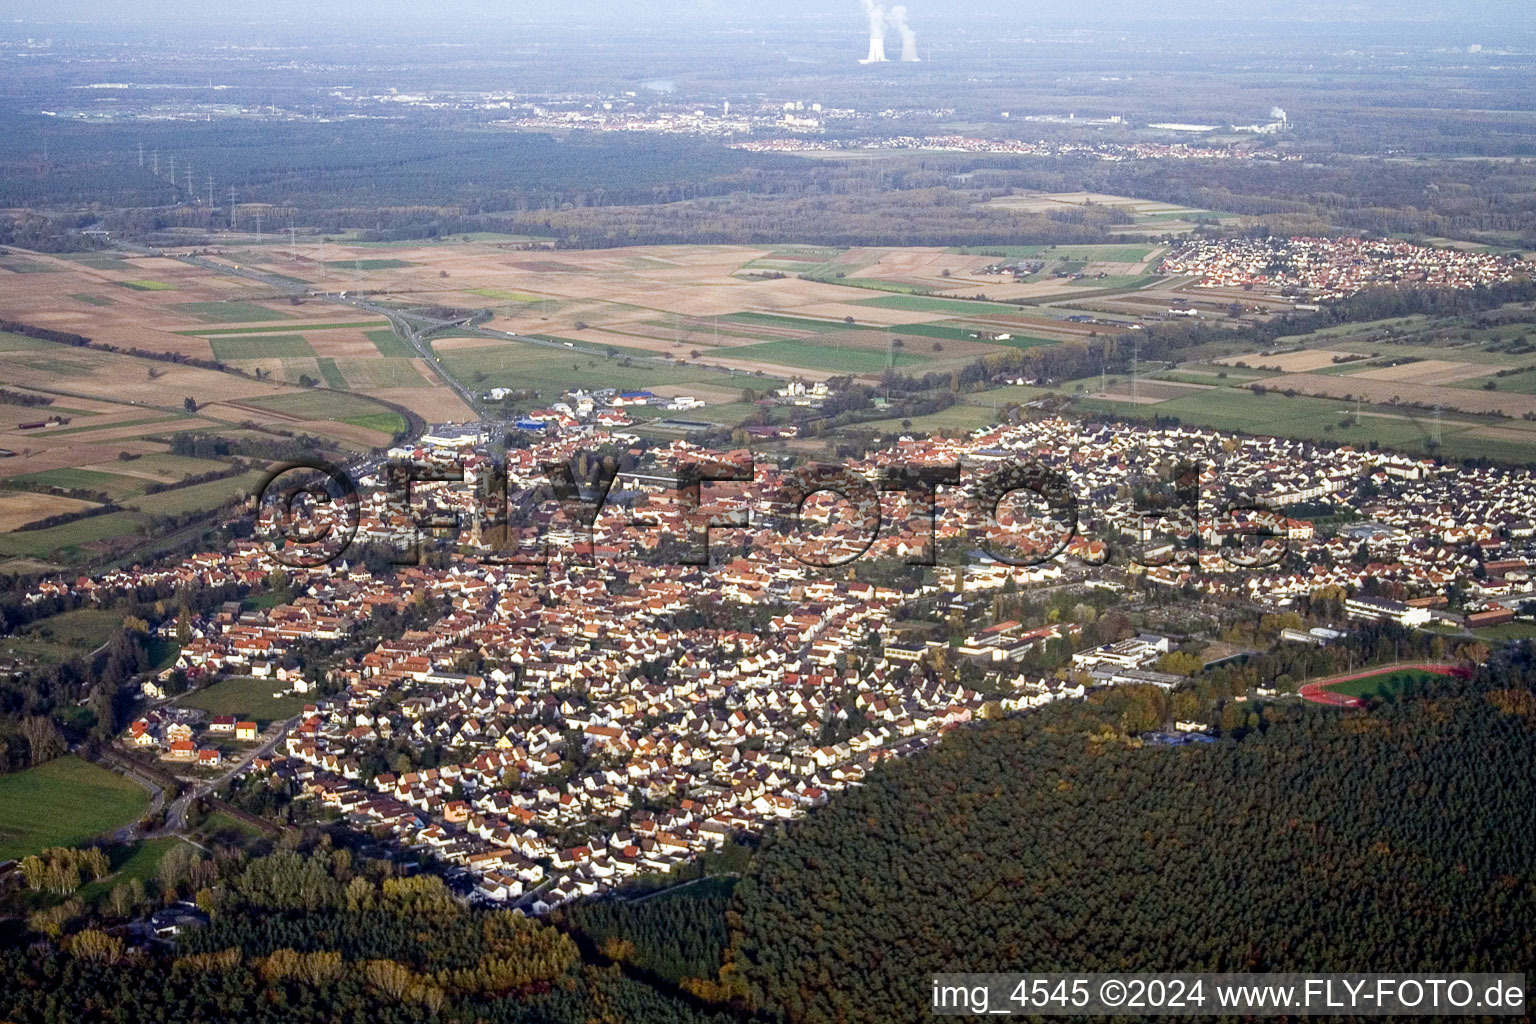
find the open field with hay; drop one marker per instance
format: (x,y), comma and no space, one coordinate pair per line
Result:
(1150,218)
(1392,392)
(19,508)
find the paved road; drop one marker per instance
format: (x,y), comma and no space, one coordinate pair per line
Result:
(176,814)
(156,795)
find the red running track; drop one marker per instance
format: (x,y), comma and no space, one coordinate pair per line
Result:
(1318,692)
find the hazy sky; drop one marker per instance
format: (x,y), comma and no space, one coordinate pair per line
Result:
(443,14)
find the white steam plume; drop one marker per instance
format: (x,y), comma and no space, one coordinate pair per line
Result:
(876,15)
(908,37)
(1276,114)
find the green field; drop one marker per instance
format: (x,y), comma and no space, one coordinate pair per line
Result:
(21,343)
(552,372)
(367,374)
(922,304)
(64,636)
(231,312)
(1323,419)
(70,539)
(139,422)
(956,419)
(391,344)
(1523,383)
(385,422)
(266,346)
(21,266)
(1126,282)
(796,323)
(148,286)
(215,332)
(941,331)
(1025,341)
(812,355)
(198,497)
(246,698)
(878,284)
(318,405)
(1507,631)
(162,652)
(370,264)
(131,861)
(1384,684)
(92,300)
(63,803)
(168,468)
(332,375)
(111,484)
(222,823)
(501,296)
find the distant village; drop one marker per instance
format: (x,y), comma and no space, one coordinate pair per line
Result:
(1332,268)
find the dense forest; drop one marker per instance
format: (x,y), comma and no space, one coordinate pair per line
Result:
(426,180)
(315,936)
(675,937)
(1393,839)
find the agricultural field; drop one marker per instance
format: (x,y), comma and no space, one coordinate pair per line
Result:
(1114,253)
(1317,419)
(230,311)
(259,346)
(487,363)
(198,497)
(808,356)
(71,634)
(110,484)
(959,418)
(105,429)
(390,344)
(368,264)
(78,541)
(256,699)
(19,508)
(673,300)
(63,803)
(371,374)
(921,304)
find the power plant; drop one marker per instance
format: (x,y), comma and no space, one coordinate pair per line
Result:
(878,23)
(908,37)
(876,15)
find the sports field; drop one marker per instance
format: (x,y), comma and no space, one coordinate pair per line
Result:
(63,803)
(1355,689)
